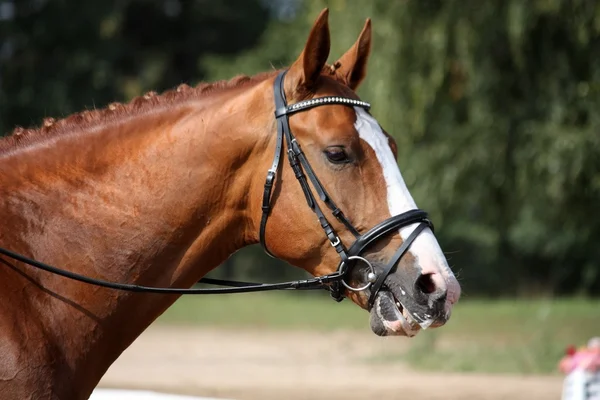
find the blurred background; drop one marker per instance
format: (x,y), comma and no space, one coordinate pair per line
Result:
(494,105)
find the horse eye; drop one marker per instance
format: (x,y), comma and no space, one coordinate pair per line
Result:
(337,155)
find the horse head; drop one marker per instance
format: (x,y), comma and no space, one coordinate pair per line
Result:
(365,223)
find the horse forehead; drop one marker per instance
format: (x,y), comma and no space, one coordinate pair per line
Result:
(335,116)
(336,121)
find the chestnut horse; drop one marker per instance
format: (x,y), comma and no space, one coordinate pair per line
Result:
(162,190)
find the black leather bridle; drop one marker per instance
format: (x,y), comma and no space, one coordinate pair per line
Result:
(302,169)
(349,256)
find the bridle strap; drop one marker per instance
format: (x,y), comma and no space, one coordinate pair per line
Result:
(272,173)
(388,226)
(301,166)
(393,261)
(323,195)
(269,183)
(238,287)
(296,154)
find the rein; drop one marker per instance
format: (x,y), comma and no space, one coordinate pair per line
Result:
(237,286)
(333,282)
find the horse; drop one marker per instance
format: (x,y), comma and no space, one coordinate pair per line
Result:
(157,192)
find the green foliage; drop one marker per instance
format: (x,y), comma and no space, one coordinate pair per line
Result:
(59,57)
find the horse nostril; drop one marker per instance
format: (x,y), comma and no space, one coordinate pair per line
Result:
(425,284)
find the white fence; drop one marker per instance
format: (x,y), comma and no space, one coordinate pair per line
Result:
(581,385)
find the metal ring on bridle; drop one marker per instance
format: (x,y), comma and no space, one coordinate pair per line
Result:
(371,277)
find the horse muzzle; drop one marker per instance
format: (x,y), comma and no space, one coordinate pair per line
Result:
(401,301)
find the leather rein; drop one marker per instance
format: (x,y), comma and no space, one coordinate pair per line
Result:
(333,282)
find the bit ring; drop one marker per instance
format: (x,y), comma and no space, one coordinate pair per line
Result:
(370,274)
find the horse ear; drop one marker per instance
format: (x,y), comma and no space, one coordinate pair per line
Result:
(304,72)
(353,64)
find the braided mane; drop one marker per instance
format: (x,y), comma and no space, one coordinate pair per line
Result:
(82,121)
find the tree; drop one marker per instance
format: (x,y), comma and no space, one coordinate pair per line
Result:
(59,57)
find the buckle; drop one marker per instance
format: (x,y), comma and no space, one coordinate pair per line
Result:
(336,242)
(270,178)
(280,112)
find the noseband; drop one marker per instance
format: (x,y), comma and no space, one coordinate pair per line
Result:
(302,169)
(348,256)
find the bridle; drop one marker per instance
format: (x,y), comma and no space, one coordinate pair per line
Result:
(302,169)
(333,282)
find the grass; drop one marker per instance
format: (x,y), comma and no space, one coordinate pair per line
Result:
(504,336)
(314,311)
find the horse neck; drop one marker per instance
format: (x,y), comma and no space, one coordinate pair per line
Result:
(157,200)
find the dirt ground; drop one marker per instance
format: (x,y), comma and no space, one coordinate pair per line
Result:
(249,365)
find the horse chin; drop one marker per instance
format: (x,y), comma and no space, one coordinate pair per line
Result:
(388,317)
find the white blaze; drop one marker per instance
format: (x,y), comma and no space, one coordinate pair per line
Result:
(425,249)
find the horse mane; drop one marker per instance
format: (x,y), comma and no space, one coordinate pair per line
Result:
(85,120)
